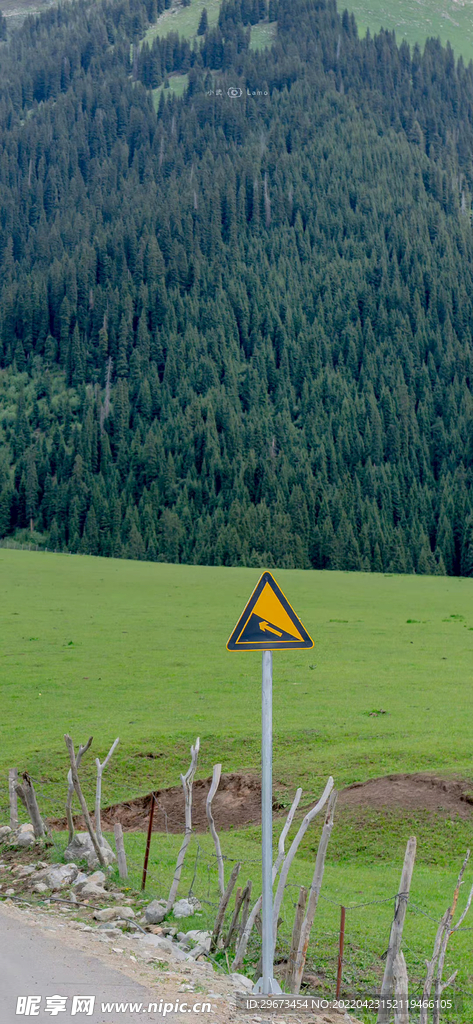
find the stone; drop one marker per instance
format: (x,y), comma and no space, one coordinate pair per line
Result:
(26,828)
(202,939)
(40,887)
(23,839)
(98,877)
(114,914)
(90,889)
(240,981)
(9,892)
(81,880)
(81,847)
(4,832)
(23,870)
(163,944)
(125,913)
(154,912)
(59,875)
(185,908)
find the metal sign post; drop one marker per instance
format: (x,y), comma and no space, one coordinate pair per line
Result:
(268,623)
(267,984)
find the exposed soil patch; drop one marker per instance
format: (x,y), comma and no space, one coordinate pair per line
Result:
(412,793)
(236,803)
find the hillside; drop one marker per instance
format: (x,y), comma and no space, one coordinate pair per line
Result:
(110,648)
(236,330)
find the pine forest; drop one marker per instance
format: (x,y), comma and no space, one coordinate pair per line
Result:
(236,326)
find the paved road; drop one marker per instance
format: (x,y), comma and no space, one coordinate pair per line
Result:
(33,963)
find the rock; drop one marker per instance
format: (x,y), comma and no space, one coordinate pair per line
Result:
(9,892)
(165,945)
(22,839)
(23,870)
(185,908)
(26,828)
(203,939)
(81,880)
(98,877)
(59,875)
(40,887)
(4,832)
(115,914)
(90,889)
(155,911)
(159,941)
(125,913)
(240,982)
(82,848)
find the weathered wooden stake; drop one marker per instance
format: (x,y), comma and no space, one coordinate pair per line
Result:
(246,932)
(223,906)
(85,811)
(98,791)
(314,893)
(341,942)
(245,908)
(28,796)
(235,915)
(120,848)
(292,852)
(395,937)
(12,781)
(401,985)
(217,770)
(187,781)
(296,934)
(70,788)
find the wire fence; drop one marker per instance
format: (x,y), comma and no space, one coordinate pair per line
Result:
(367,921)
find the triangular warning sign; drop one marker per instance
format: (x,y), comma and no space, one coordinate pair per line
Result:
(268,622)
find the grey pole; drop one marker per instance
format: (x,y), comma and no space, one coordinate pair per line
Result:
(267,984)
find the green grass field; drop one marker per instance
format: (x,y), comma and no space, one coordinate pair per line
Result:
(136,649)
(412,20)
(417,20)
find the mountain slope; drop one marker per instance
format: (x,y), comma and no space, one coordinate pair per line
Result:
(239,330)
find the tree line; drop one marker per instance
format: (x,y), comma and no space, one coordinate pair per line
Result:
(236,331)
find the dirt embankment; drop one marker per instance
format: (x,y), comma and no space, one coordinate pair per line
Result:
(238,802)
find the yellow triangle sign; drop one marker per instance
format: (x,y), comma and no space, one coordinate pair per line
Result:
(268,622)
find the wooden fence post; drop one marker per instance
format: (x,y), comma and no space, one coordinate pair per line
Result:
(296,934)
(27,794)
(217,770)
(12,781)
(341,942)
(120,848)
(223,906)
(401,985)
(186,781)
(314,893)
(85,810)
(395,937)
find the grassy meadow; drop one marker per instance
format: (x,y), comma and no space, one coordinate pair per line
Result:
(137,649)
(412,20)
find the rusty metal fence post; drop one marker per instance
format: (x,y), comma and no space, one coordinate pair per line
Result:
(148,841)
